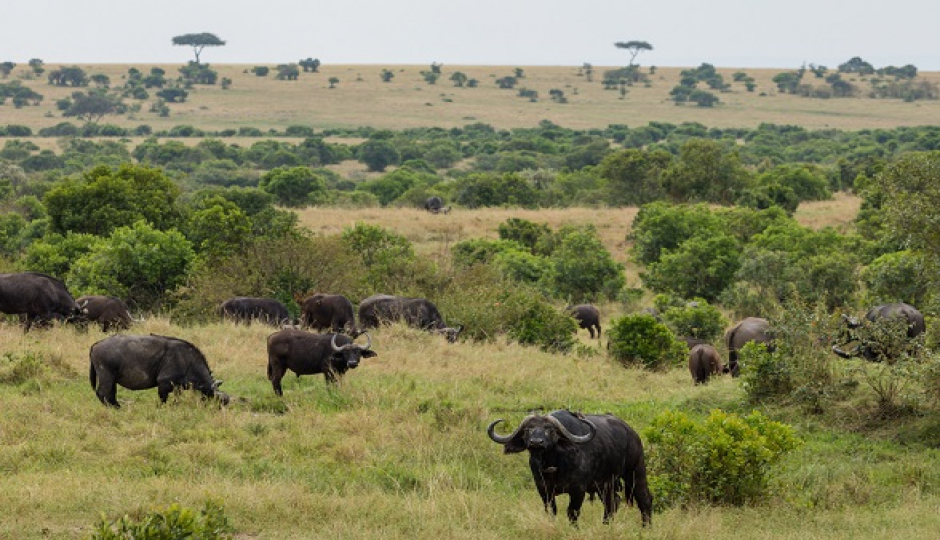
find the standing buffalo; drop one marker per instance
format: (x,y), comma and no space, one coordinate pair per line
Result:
(245,309)
(108,311)
(587,316)
(139,362)
(308,354)
(578,455)
(333,312)
(37,298)
(704,362)
(435,205)
(870,349)
(417,312)
(750,329)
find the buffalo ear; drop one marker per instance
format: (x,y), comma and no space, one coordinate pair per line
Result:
(369,354)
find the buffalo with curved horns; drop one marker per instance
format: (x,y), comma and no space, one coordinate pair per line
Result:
(416,312)
(138,362)
(246,309)
(870,349)
(333,312)
(305,353)
(588,317)
(580,455)
(704,363)
(750,329)
(37,298)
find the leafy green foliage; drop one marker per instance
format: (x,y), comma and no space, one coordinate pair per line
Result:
(727,459)
(170,523)
(639,339)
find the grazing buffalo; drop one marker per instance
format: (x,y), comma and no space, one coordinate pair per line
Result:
(870,349)
(305,353)
(108,312)
(138,362)
(245,309)
(436,205)
(587,316)
(333,312)
(37,298)
(417,312)
(750,329)
(579,455)
(704,362)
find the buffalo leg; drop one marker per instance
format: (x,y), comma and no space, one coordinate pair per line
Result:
(574,506)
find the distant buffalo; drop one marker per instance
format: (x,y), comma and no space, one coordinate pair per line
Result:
(37,298)
(333,312)
(109,312)
(704,363)
(306,353)
(416,312)
(138,362)
(587,316)
(582,455)
(436,205)
(245,309)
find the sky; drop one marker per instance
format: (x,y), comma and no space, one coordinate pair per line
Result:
(725,33)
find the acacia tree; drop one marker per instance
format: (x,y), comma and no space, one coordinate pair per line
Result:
(198,42)
(634,48)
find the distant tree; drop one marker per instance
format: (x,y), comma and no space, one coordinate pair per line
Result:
(333,81)
(459,78)
(310,64)
(261,71)
(634,48)
(37,66)
(198,42)
(6,68)
(288,72)
(387,75)
(94,105)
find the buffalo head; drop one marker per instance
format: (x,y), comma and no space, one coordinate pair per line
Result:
(538,433)
(351,353)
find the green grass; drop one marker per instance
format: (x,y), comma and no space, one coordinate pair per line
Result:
(398,450)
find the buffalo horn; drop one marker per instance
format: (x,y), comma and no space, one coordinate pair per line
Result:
(491,430)
(571,436)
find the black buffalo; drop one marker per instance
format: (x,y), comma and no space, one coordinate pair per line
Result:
(436,205)
(750,329)
(580,455)
(108,312)
(305,353)
(875,350)
(416,312)
(704,363)
(245,309)
(138,362)
(333,312)
(587,316)
(37,298)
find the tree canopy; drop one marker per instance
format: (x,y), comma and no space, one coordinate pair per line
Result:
(198,42)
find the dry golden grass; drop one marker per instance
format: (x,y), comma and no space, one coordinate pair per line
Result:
(361,99)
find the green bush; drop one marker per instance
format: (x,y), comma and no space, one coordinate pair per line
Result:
(641,339)
(726,459)
(171,523)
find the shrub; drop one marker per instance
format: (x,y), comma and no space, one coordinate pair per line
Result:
(173,522)
(641,339)
(726,459)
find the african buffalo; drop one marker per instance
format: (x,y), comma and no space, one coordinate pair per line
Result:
(587,316)
(435,205)
(245,309)
(108,311)
(305,353)
(704,362)
(417,312)
(870,349)
(37,298)
(750,329)
(138,362)
(578,455)
(333,312)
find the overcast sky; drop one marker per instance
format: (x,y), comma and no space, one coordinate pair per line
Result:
(726,33)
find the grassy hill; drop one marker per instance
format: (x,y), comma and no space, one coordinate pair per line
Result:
(362,99)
